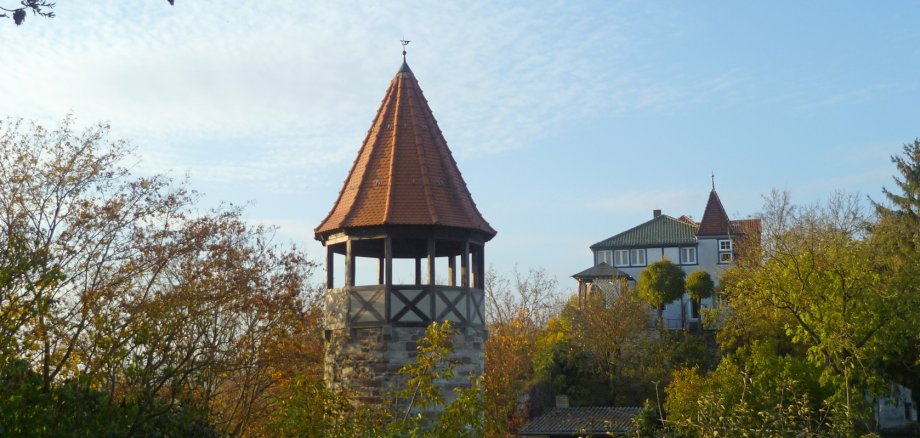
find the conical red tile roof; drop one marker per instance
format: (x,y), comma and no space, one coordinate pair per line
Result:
(715,221)
(404,173)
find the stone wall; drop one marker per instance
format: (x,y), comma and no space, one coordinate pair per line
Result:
(366,361)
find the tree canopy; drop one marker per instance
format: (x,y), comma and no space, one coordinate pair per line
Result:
(660,283)
(119,288)
(699,285)
(816,315)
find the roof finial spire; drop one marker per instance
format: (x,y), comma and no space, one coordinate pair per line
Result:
(404,44)
(713,175)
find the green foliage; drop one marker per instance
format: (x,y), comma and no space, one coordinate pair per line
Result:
(308,408)
(460,418)
(429,365)
(906,203)
(601,353)
(809,326)
(823,280)
(699,285)
(311,409)
(647,423)
(897,236)
(764,394)
(660,283)
(74,409)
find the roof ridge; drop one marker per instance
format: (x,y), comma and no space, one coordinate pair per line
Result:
(392,167)
(423,165)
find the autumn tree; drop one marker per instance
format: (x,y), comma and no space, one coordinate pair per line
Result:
(595,352)
(121,283)
(517,311)
(660,283)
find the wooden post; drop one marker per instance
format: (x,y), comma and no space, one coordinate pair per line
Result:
(387,275)
(479,282)
(452,270)
(388,261)
(349,265)
(465,265)
(330,267)
(474,265)
(381,267)
(431,253)
(418,270)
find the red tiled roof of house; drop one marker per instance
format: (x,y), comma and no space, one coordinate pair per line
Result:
(404,173)
(748,240)
(689,220)
(715,221)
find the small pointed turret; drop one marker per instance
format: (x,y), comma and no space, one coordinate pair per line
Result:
(715,221)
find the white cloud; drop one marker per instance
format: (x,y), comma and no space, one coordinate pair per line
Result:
(237,91)
(671,202)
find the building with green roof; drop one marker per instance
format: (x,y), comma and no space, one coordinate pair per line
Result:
(710,245)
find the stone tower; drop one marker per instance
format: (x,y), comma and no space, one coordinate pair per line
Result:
(404,204)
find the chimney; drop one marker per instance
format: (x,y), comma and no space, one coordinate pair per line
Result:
(655,213)
(562,401)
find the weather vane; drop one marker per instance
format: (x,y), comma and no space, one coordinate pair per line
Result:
(713,175)
(404,44)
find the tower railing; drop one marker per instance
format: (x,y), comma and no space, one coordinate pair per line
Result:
(407,305)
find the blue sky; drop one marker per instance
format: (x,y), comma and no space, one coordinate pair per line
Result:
(570,121)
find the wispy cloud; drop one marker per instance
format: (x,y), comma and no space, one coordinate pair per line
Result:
(671,202)
(243,92)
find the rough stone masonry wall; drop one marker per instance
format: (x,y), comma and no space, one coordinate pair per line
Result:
(366,361)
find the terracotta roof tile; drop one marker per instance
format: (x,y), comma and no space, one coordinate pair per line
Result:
(715,221)
(404,173)
(747,240)
(688,219)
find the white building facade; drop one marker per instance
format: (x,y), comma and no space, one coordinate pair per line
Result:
(710,245)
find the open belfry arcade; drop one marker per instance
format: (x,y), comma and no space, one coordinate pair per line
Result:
(403,203)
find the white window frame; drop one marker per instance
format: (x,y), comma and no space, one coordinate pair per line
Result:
(688,255)
(605,256)
(635,255)
(621,257)
(725,245)
(726,257)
